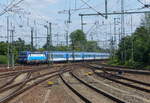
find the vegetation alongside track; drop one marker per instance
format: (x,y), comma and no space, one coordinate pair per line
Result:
(134,50)
(3,59)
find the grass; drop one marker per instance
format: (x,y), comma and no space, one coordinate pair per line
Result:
(130,64)
(3,59)
(147,67)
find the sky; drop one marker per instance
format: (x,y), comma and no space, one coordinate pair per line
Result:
(36,14)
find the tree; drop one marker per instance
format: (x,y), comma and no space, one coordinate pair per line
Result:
(92,46)
(80,43)
(3,48)
(16,46)
(142,45)
(78,40)
(125,46)
(138,44)
(21,46)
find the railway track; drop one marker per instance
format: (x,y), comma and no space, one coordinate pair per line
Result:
(131,71)
(118,66)
(126,93)
(110,77)
(35,69)
(128,79)
(115,78)
(10,81)
(75,91)
(94,89)
(9,91)
(14,89)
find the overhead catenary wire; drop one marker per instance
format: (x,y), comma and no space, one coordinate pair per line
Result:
(10,6)
(84,4)
(5,10)
(92,8)
(141,2)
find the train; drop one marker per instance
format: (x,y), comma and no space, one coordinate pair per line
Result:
(28,57)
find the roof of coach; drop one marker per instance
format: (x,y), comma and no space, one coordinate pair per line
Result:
(64,52)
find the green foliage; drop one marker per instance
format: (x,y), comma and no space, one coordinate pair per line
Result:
(62,48)
(147,67)
(3,59)
(20,45)
(136,47)
(80,43)
(3,48)
(17,46)
(78,40)
(92,46)
(142,45)
(139,42)
(78,36)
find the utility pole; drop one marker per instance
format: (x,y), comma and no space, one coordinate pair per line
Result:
(50,33)
(69,18)
(8,55)
(114,37)
(32,30)
(106,9)
(49,36)
(12,48)
(49,41)
(57,38)
(35,31)
(132,39)
(82,23)
(115,30)
(123,56)
(67,39)
(110,38)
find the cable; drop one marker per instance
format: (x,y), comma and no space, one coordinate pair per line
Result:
(9,7)
(140,2)
(92,8)
(84,4)
(80,8)
(134,9)
(5,10)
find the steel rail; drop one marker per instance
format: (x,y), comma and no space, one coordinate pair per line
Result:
(9,82)
(19,87)
(120,82)
(36,77)
(131,71)
(34,69)
(23,89)
(100,91)
(132,80)
(75,91)
(123,83)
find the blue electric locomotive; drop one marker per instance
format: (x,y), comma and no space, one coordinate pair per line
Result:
(32,57)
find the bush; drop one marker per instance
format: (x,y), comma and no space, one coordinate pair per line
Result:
(147,67)
(114,62)
(3,59)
